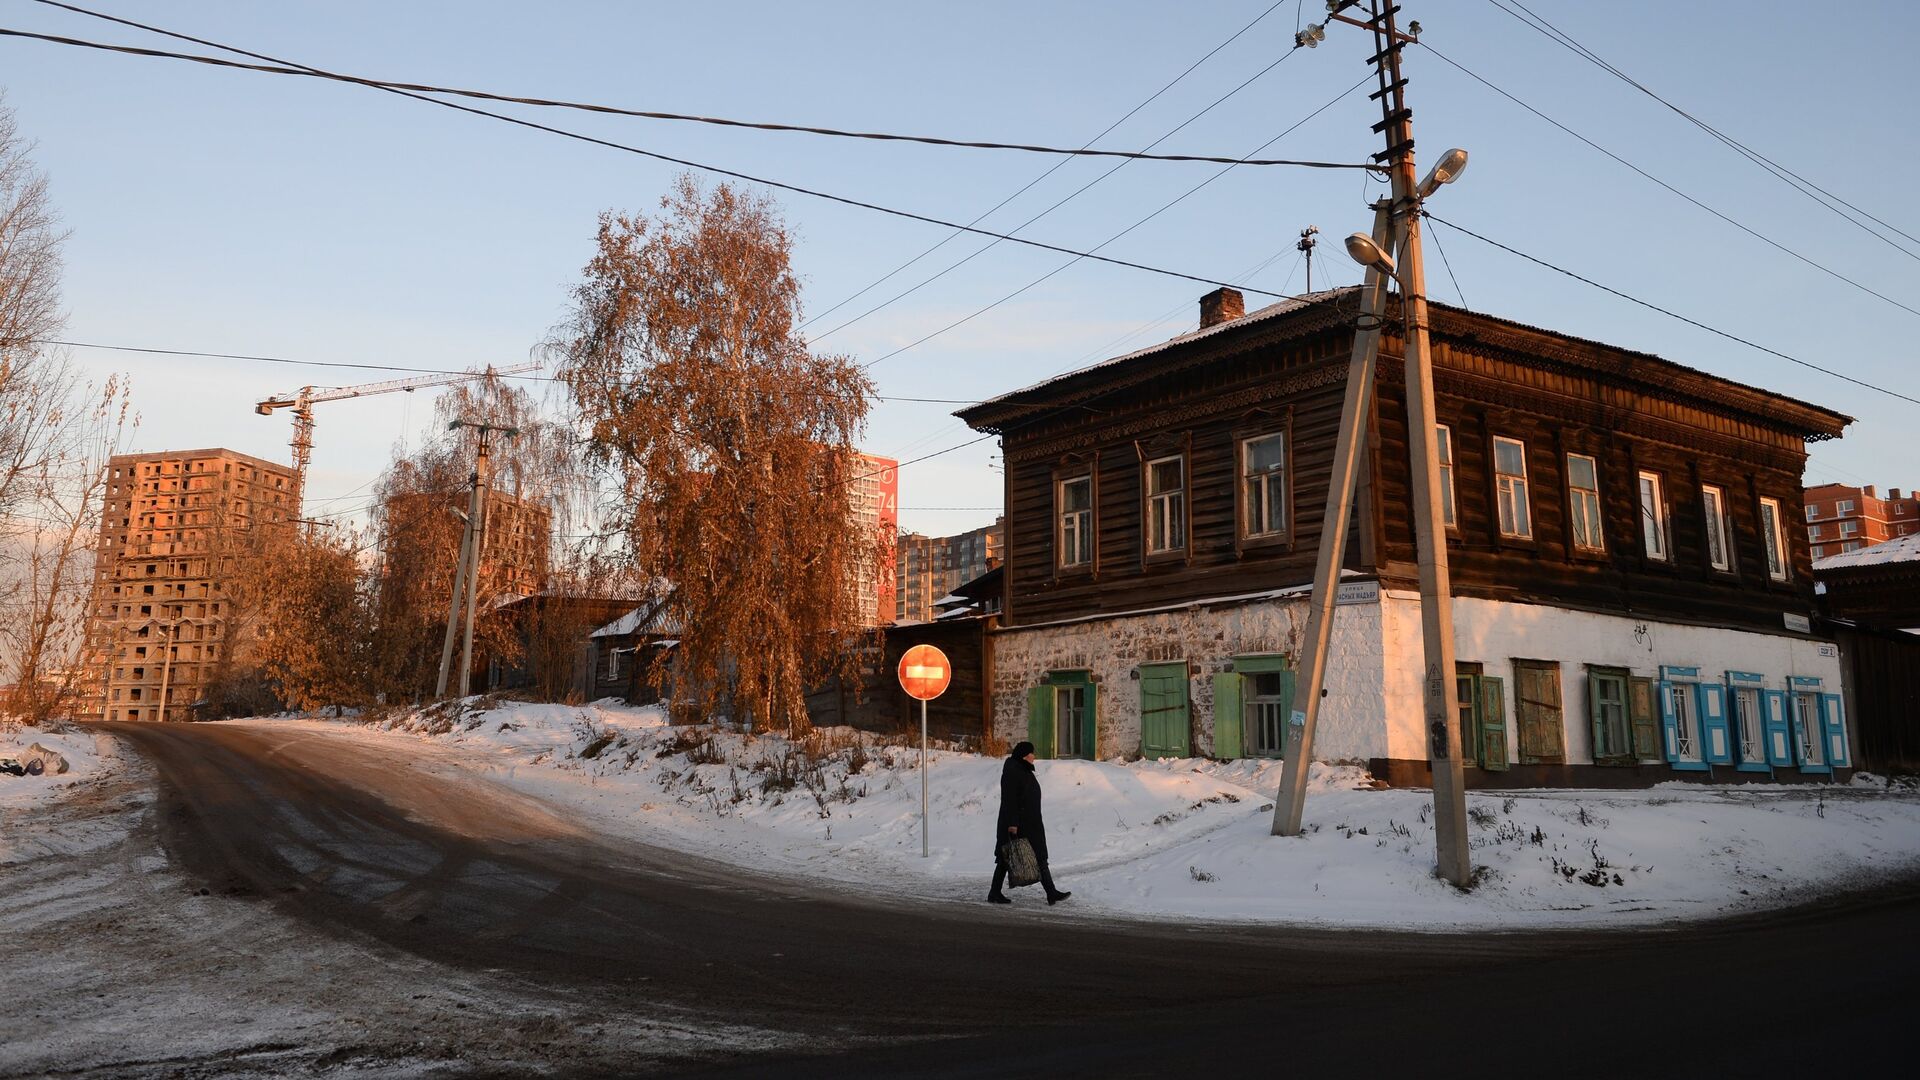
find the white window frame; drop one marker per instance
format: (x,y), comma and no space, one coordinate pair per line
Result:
(1773,534)
(1851,545)
(1073,529)
(1750,727)
(1842,507)
(1583,506)
(1448,516)
(1849,528)
(1655,537)
(1813,532)
(1813,512)
(1511,496)
(1270,483)
(1713,504)
(1166,510)
(1067,719)
(1685,698)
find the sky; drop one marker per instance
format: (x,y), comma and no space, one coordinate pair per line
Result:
(227,211)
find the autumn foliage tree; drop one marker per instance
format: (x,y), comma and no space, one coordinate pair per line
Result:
(728,444)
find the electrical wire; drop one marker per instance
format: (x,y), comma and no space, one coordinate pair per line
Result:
(1055,167)
(797,189)
(1649,305)
(1780,172)
(549,103)
(1763,238)
(1449,265)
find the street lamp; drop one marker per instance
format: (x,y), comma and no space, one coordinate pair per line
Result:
(1445,171)
(1369,254)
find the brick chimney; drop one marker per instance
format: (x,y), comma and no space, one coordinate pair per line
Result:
(1221,305)
(1893,493)
(1868,492)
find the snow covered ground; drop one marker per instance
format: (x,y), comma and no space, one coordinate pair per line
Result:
(1174,837)
(89,759)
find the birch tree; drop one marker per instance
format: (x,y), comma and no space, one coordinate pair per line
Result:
(727,446)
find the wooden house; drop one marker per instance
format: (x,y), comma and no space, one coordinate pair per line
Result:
(1633,594)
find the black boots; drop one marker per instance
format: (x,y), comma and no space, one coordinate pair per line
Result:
(997,898)
(1055,897)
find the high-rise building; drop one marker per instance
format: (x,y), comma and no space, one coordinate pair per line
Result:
(515,550)
(931,567)
(170,530)
(876,512)
(1842,518)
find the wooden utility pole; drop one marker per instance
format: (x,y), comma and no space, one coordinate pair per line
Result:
(1441,724)
(466,575)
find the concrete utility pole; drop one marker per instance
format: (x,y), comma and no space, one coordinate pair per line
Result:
(166,665)
(1291,804)
(1441,722)
(466,575)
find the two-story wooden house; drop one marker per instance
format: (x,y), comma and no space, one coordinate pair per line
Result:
(1632,587)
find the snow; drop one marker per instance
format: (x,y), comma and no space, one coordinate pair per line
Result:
(1185,838)
(1901,549)
(90,760)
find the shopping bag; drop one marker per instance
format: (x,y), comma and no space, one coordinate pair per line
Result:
(1023,866)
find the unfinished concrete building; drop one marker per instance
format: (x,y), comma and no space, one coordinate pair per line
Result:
(170,543)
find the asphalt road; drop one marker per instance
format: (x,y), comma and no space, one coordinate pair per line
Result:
(463,872)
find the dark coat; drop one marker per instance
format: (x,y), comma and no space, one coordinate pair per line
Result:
(1020,805)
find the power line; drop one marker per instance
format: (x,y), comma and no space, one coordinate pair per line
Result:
(684,162)
(1763,238)
(482,95)
(1780,172)
(1055,167)
(983,249)
(1649,305)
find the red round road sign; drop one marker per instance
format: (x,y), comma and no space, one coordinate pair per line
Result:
(925,673)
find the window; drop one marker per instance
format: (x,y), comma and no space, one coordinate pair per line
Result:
(1069,713)
(1607,710)
(1263,485)
(1653,517)
(1851,545)
(1773,535)
(1843,507)
(1749,726)
(1807,728)
(1075,540)
(1813,532)
(1686,731)
(1849,528)
(1583,502)
(1510,478)
(1713,501)
(613,663)
(1813,513)
(1266,713)
(1166,505)
(1447,515)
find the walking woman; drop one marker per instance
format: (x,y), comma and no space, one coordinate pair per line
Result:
(1020,819)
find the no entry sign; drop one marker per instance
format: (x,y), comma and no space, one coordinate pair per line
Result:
(925,673)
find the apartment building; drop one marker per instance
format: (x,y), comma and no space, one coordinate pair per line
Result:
(932,567)
(515,552)
(1842,518)
(876,511)
(170,544)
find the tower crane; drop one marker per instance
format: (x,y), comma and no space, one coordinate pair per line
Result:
(303,400)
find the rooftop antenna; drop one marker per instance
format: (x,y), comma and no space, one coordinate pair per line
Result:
(1305,247)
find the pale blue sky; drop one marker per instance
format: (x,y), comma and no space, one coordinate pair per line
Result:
(233,212)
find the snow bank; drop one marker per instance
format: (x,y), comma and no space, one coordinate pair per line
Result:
(1188,838)
(53,799)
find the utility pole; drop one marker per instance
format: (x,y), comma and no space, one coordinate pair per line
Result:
(466,576)
(166,665)
(1305,247)
(1441,725)
(1354,410)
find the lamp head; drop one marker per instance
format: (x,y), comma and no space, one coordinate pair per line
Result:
(1367,253)
(1445,171)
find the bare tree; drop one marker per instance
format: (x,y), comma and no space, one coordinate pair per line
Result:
(729,446)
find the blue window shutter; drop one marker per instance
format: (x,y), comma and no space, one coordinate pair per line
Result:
(1773,705)
(1833,715)
(1669,723)
(1717,745)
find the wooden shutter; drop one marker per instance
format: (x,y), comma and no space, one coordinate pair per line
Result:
(1229,718)
(1493,723)
(1537,701)
(1833,716)
(1773,706)
(1716,747)
(1040,720)
(1640,716)
(1669,723)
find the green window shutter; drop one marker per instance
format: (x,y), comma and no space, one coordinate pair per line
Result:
(1493,723)
(1646,725)
(1228,717)
(1596,719)
(1040,720)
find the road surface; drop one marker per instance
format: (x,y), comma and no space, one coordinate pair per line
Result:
(466,876)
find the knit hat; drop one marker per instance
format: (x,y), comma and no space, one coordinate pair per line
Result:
(1021,751)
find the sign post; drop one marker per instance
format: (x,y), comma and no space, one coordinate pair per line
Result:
(924,675)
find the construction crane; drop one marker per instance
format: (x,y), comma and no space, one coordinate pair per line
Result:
(303,400)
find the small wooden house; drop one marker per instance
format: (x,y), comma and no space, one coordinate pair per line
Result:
(1633,596)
